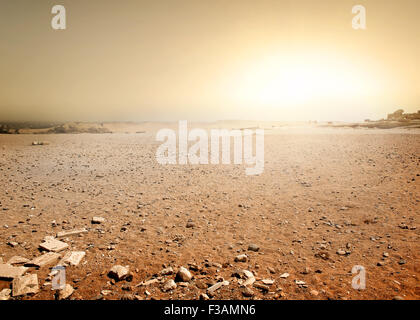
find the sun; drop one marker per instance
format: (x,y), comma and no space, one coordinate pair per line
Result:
(288,81)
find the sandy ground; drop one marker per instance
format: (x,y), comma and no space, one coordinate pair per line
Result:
(322,192)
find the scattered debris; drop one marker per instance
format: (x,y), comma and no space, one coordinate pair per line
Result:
(44,259)
(23,285)
(53,245)
(8,271)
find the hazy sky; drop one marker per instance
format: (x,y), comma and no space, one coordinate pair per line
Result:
(208,60)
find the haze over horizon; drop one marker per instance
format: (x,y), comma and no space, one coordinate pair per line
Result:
(284,60)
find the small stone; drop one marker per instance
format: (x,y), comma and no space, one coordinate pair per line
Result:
(381,263)
(106,292)
(183,275)
(262,287)
(167,271)
(284,275)
(17,260)
(267,281)
(398,298)
(253,247)
(402,261)
(148,282)
(118,272)
(341,252)
(190,224)
(248,282)
(386,254)
(5,294)
(25,285)
(13,244)
(241,258)
(217,286)
(63,234)
(247,292)
(169,285)
(97,220)
(314,292)
(204,296)
(66,292)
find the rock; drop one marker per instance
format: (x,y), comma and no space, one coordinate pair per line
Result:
(314,293)
(262,287)
(53,245)
(97,220)
(300,282)
(381,263)
(106,292)
(203,296)
(25,285)
(13,244)
(65,293)
(148,282)
(63,234)
(17,260)
(247,292)
(267,281)
(241,258)
(72,258)
(248,282)
(284,275)
(341,252)
(190,224)
(5,294)
(217,286)
(169,285)
(118,272)
(398,298)
(402,261)
(167,271)
(253,247)
(44,259)
(386,254)
(8,271)
(271,270)
(183,275)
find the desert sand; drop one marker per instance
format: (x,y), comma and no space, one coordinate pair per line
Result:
(328,200)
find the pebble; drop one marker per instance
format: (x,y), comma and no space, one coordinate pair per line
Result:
(169,285)
(241,258)
(66,292)
(253,247)
(247,292)
(183,275)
